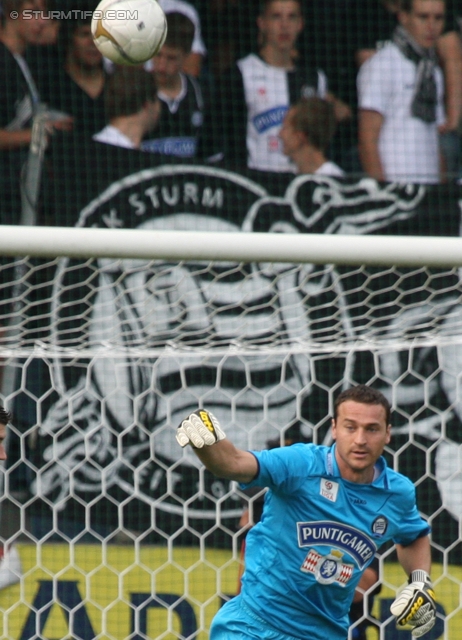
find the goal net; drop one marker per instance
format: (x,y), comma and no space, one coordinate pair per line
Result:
(110,529)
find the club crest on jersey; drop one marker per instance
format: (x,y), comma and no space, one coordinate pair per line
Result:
(329,489)
(379,526)
(329,568)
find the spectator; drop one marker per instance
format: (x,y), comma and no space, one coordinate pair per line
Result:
(72,79)
(252,99)
(132,107)
(400,93)
(227,42)
(381,20)
(192,64)
(306,133)
(20,102)
(180,94)
(49,34)
(449,48)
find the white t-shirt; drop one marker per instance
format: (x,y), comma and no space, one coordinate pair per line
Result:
(112,135)
(408,147)
(330,169)
(268,95)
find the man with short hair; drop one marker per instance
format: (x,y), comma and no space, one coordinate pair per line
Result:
(132,107)
(326,512)
(400,98)
(192,64)
(180,122)
(306,133)
(252,98)
(71,76)
(19,98)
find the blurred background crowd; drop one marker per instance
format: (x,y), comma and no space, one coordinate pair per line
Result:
(335,87)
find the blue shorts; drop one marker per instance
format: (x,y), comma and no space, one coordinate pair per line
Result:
(235,621)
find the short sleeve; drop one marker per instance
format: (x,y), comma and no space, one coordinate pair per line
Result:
(412,525)
(374,83)
(283,469)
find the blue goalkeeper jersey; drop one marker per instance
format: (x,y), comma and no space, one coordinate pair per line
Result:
(317,534)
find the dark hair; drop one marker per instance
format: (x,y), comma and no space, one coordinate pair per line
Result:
(127,91)
(7,6)
(5,416)
(180,31)
(77,15)
(408,5)
(315,118)
(364,395)
(264,4)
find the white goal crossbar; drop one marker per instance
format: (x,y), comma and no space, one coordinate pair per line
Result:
(405,251)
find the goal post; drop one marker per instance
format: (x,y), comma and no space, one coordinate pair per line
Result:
(315,248)
(110,337)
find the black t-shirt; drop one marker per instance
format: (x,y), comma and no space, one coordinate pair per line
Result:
(59,91)
(226,118)
(15,115)
(180,123)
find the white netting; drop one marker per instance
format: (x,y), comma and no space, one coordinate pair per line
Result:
(105,357)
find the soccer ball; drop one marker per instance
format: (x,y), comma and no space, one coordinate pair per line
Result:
(129,31)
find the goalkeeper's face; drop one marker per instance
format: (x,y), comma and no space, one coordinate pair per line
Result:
(361,433)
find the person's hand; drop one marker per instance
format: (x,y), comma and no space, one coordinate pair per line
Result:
(199,429)
(448,127)
(59,124)
(415,606)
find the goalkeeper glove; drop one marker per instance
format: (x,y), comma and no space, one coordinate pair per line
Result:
(200,429)
(415,607)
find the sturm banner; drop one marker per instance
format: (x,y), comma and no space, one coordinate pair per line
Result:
(147,342)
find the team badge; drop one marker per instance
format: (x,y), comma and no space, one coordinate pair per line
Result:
(328,569)
(379,526)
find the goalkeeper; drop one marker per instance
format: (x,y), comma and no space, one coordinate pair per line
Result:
(326,513)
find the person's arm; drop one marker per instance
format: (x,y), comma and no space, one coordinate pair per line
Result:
(341,109)
(449,49)
(367,581)
(10,140)
(416,555)
(193,64)
(203,432)
(370,125)
(362,55)
(225,460)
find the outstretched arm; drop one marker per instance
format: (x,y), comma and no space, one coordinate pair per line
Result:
(203,432)
(225,460)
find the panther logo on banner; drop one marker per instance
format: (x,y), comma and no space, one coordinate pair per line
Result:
(158,340)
